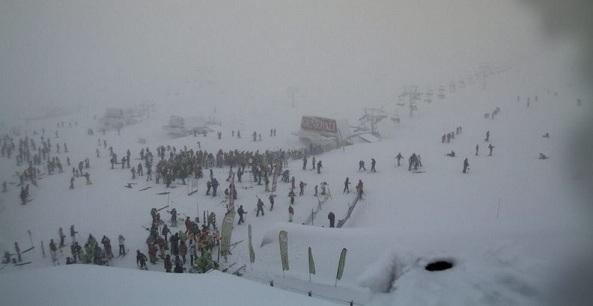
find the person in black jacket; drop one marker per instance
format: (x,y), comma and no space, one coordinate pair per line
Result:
(141,260)
(331,218)
(241,212)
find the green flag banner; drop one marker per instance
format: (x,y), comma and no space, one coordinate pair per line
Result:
(251,252)
(283,239)
(226,231)
(311,262)
(341,265)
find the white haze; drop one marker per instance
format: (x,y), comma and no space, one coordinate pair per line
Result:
(333,54)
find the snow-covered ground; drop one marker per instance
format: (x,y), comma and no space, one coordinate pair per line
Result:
(508,226)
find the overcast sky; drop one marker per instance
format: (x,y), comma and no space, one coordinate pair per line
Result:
(332,52)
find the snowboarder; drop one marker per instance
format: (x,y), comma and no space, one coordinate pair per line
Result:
(141,260)
(331,218)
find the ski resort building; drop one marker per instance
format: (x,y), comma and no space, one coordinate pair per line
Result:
(182,126)
(116,118)
(320,134)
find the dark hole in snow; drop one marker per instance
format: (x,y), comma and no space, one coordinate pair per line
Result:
(440,265)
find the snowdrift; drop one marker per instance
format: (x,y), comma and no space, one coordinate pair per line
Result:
(92,285)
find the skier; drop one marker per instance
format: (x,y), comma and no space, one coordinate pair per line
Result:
(487,139)
(122,248)
(62,236)
(465,165)
(361,166)
(373,164)
(178,267)
(73,233)
(241,212)
(87,176)
(72,182)
(477,149)
(290,213)
(313,163)
(359,189)
(319,166)
(347,185)
(260,207)
(107,247)
(214,186)
(53,249)
(182,250)
(490,147)
(331,218)
(75,250)
(173,217)
(305,162)
(291,195)
(165,232)
(208,187)
(168,264)
(301,188)
(398,158)
(271,199)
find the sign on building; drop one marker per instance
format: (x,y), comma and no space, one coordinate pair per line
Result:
(319,124)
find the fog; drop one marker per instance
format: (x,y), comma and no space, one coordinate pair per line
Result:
(330,54)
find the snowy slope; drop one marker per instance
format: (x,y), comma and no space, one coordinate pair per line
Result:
(91,285)
(509,225)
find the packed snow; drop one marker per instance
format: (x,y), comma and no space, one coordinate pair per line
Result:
(511,227)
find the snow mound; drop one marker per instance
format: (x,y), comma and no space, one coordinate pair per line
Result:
(381,275)
(93,285)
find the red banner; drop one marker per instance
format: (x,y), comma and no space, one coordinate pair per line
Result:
(319,124)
